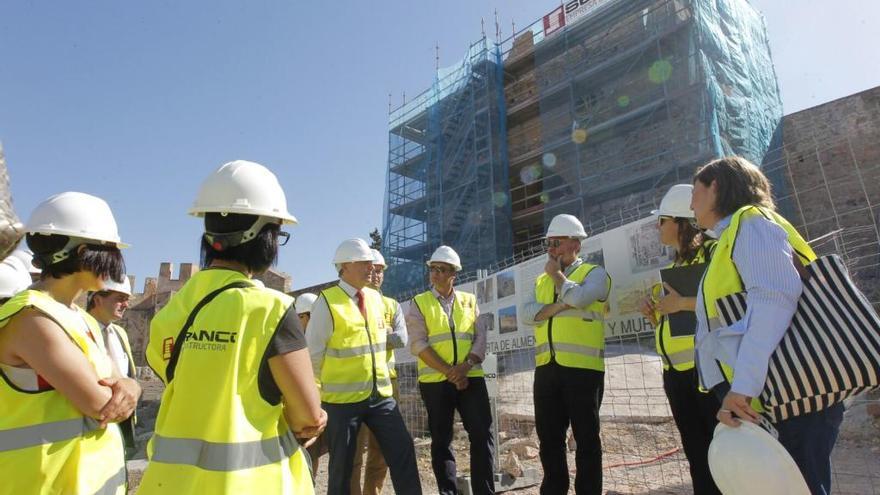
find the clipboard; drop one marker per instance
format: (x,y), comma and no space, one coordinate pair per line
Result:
(685,280)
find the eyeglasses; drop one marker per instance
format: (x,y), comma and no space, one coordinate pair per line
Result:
(553,243)
(283,237)
(439,269)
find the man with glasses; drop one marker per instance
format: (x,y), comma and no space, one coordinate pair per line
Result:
(567,313)
(443,333)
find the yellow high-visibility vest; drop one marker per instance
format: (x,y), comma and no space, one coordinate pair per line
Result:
(355,362)
(677,353)
(46,444)
(572,341)
(390,308)
(215,431)
(722,278)
(451,344)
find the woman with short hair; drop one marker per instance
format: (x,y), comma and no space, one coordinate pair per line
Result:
(61,394)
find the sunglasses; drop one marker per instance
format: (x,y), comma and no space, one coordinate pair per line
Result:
(439,269)
(553,243)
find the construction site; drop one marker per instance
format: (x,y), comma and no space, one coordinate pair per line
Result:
(595,109)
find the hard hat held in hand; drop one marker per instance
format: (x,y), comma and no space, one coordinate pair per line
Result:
(352,250)
(677,202)
(445,254)
(242,187)
(304,302)
(565,225)
(75,214)
(747,460)
(378,259)
(123,287)
(14,277)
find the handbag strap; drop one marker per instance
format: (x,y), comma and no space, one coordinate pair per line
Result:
(181,336)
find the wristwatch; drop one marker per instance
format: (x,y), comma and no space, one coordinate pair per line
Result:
(471,361)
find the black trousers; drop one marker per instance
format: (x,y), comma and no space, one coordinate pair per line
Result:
(442,399)
(695,416)
(569,396)
(382,417)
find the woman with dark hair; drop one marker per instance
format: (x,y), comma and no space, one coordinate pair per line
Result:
(755,253)
(240,390)
(61,394)
(693,411)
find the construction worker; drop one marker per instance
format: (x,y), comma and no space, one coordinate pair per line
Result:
(107,306)
(755,253)
(693,411)
(318,448)
(568,312)
(347,341)
(395,326)
(14,277)
(61,394)
(240,394)
(443,333)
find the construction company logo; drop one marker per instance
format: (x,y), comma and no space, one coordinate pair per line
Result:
(569,13)
(554,21)
(209,340)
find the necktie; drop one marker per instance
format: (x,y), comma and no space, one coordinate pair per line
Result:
(361,305)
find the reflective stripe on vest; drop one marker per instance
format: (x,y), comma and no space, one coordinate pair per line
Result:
(722,278)
(574,339)
(452,344)
(217,430)
(217,456)
(45,433)
(678,352)
(114,483)
(355,357)
(45,442)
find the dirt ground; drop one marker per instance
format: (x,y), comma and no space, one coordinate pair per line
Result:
(641,454)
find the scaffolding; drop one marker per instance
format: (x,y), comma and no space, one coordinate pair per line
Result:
(447,172)
(595,118)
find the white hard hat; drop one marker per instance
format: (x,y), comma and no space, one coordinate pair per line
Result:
(748,460)
(124,287)
(242,187)
(378,259)
(445,254)
(26,256)
(351,250)
(566,225)
(304,302)
(75,214)
(14,277)
(677,202)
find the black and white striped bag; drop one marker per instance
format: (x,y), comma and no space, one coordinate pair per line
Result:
(830,352)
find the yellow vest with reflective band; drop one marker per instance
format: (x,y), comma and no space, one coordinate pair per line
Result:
(355,359)
(46,444)
(722,278)
(215,432)
(452,345)
(678,352)
(572,341)
(390,308)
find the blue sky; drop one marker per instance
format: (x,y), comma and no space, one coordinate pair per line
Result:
(137,102)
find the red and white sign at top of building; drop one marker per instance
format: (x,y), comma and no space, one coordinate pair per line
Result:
(554,21)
